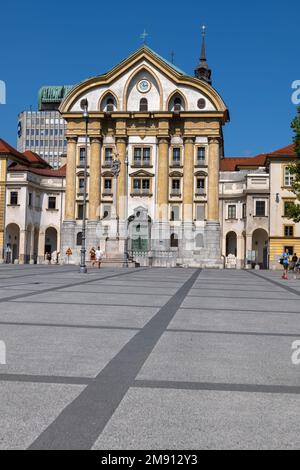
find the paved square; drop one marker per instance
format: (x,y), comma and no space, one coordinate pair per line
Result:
(148,359)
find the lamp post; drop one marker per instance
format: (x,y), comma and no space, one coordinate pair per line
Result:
(83,267)
(115,169)
(125,261)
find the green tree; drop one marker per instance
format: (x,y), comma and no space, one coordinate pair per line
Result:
(294,209)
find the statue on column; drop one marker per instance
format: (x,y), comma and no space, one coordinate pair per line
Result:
(116,167)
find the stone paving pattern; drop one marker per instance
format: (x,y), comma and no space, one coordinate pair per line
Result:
(148,359)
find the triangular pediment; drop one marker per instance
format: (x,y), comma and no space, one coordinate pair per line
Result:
(142,173)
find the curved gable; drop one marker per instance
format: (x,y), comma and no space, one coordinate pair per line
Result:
(165,80)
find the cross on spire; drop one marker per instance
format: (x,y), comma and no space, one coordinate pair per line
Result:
(172,56)
(144,36)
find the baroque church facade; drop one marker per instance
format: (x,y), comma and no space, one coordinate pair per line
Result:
(164,129)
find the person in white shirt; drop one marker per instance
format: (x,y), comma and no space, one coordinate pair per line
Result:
(99,256)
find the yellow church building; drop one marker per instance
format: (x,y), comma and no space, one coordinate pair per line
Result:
(164,130)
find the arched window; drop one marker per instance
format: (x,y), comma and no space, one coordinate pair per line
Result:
(144,104)
(174,240)
(177,104)
(79,239)
(110,105)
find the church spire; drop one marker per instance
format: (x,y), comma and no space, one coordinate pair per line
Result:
(203,72)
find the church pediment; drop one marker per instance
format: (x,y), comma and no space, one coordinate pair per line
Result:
(143,75)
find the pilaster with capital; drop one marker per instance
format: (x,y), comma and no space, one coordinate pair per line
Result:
(213,180)
(163,179)
(121,143)
(70,198)
(188,179)
(95,179)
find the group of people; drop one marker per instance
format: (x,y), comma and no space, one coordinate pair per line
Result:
(96,256)
(49,257)
(289,264)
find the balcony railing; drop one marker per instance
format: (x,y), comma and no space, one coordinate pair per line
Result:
(107,191)
(176,163)
(200,191)
(141,192)
(140,163)
(107,164)
(175,192)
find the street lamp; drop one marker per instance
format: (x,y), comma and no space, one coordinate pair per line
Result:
(125,260)
(83,269)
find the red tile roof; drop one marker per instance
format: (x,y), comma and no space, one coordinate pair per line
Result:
(29,161)
(288,151)
(235,163)
(60,173)
(8,150)
(35,159)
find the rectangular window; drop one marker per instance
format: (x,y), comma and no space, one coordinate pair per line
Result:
(107,183)
(287,205)
(146,156)
(14,198)
(82,156)
(80,211)
(81,185)
(288,230)
(200,189)
(200,212)
(137,156)
(136,184)
(176,186)
(51,202)
(107,212)
(200,155)
(260,208)
(146,184)
(288,177)
(30,199)
(244,211)
(141,185)
(108,156)
(232,211)
(175,213)
(176,156)
(290,250)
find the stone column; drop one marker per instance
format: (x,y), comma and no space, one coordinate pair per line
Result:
(212,228)
(95,180)
(70,199)
(22,246)
(41,247)
(31,248)
(240,252)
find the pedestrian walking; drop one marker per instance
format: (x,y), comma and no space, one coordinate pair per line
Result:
(93,256)
(294,262)
(285,261)
(48,257)
(99,256)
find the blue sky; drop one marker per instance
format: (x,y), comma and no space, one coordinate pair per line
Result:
(253,49)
